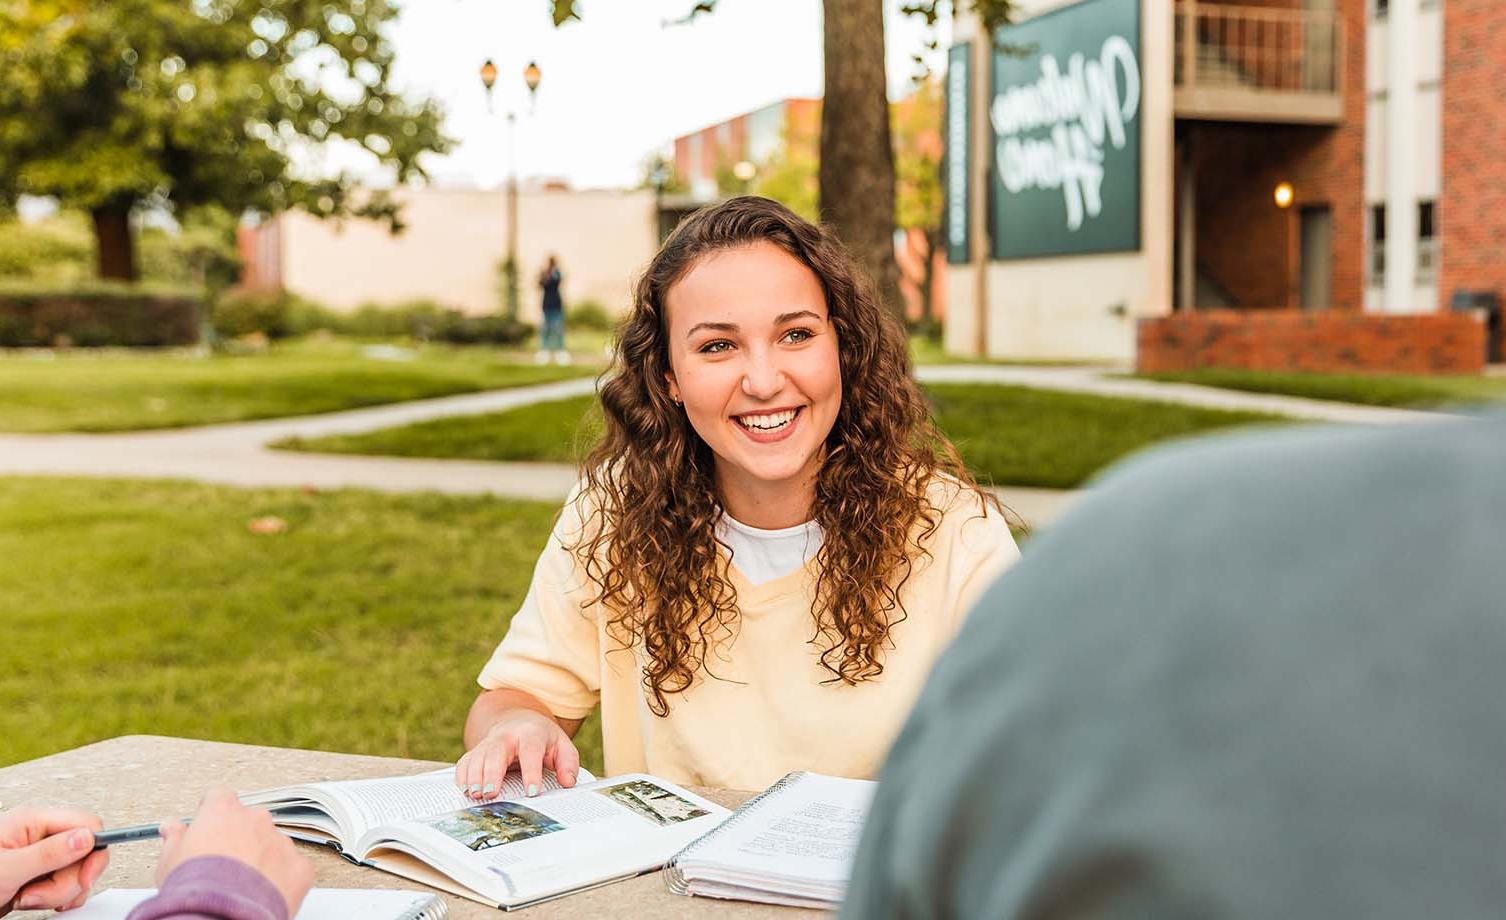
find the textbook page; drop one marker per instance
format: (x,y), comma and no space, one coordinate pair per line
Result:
(525,849)
(368,803)
(806,830)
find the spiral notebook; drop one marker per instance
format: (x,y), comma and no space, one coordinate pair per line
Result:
(321,904)
(791,844)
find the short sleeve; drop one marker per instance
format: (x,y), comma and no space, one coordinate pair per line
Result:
(552,648)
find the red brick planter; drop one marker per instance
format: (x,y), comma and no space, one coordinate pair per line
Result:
(1324,342)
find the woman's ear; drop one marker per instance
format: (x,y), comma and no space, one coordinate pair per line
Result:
(674,388)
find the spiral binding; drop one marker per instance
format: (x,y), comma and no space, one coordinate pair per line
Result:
(672,874)
(433,909)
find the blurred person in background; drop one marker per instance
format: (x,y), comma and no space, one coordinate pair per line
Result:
(552,336)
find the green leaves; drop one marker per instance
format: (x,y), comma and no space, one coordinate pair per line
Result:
(201,103)
(994,14)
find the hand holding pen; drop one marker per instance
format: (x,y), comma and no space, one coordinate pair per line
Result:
(47,858)
(225,827)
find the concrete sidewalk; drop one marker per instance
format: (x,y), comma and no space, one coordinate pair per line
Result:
(237,454)
(1100,381)
(255,466)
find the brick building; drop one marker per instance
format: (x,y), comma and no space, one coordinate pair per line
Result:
(1297,155)
(705,163)
(754,137)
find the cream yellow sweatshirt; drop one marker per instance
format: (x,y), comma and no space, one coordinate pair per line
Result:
(765,708)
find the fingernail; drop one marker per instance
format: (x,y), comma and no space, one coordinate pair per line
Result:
(473,788)
(491,789)
(533,789)
(79,840)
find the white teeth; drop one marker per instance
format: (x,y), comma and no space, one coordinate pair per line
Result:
(767,422)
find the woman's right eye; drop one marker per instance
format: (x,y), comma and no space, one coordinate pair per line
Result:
(712,348)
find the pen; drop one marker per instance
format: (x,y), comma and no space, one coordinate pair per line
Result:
(127,835)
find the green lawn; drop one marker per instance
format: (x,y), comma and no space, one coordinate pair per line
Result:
(1405,391)
(1007,435)
(149,607)
(121,391)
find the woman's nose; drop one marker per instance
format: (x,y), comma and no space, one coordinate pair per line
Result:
(762,378)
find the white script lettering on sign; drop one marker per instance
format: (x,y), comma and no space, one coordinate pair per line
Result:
(1081,110)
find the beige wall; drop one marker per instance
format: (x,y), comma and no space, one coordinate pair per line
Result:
(1083,307)
(456,238)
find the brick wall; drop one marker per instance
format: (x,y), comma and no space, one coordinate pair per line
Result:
(1472,209)
(1323,342)
(1245,243)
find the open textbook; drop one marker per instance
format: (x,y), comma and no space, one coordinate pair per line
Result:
(791,844)
(507,852)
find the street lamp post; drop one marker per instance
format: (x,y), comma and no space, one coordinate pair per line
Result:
(531,76)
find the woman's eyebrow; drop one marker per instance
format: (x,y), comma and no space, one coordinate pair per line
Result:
(715,327)
(783,318)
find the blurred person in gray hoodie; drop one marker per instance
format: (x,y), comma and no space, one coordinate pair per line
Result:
(1257,677)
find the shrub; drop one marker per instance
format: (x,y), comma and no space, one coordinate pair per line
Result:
(589,314)
(281,314)
(429,321)
(242,312)
(58,251)
(484,330)
(97,315)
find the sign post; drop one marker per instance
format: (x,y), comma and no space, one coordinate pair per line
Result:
(957,169)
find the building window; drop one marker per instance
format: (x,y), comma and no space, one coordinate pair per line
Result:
(1379,8)
(1427,242)
(1377,245)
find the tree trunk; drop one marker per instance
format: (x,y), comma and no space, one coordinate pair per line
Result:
(932,239)
(112,236)
(857,157)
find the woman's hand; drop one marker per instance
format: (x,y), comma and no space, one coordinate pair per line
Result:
(225,827)
(45,859)
(530,739)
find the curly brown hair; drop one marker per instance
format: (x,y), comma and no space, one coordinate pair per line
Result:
(649,500)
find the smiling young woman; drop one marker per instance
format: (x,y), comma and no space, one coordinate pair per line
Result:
(770,544)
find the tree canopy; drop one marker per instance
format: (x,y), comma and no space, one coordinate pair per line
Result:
(185,103)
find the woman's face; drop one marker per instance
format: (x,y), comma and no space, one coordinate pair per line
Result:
(753,358)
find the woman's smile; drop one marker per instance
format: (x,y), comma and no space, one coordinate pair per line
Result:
(768,426)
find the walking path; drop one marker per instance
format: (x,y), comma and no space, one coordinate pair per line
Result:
(237,454)
(1101,381)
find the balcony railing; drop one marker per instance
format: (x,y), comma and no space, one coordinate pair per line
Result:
(1258,63)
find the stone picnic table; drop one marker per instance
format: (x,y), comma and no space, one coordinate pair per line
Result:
(137,779)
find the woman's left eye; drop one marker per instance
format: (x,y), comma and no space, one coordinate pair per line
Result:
(798,335)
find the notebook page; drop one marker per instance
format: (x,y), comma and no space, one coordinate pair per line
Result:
(321,904)
(807,830)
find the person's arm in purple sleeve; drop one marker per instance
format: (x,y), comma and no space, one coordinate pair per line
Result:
(231,864)
(214,888)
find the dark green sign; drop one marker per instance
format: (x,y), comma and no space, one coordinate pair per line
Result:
(1066,128)
(955,173)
